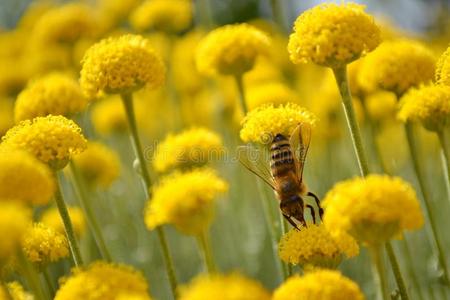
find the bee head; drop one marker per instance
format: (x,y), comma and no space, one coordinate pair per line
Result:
(279,137)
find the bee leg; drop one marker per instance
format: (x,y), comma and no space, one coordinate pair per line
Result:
(318,204)
(288,218)
(313,213)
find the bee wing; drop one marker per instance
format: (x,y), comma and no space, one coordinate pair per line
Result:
(256,162)
(299,140)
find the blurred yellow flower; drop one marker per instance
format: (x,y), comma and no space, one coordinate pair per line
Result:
(52,94)
(6,115)
(429,105)
(231,49)
(171,16)
(333,35)
(120,65)
(108,116)
(263,123)
(52,219)
(275,93)
(442,75)
(372,209)
(102,281)
(52,139)
(223,287)
(381,105)
(318,285)
(42,245)
(185,200)
(16,291)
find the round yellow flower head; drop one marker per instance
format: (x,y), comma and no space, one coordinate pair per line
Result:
(42,245)
(52,219)
(231,49)
(429,105)
(319,285)
(185,200)
(313,246)
(102,281)
(442,75)
(396,66)
(171,16)
(263,123)
(333,35)
(6,115)
(224,287)
(191,148)
(275,93)
(23,177)
(53,94)
(16,291)
(372,209)
(99,164)
(14,221)
(52,139)
(120,65)
(381,105)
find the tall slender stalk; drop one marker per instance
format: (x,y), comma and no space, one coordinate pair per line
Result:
(287,267)
(240,86)
(396,270)
(84,200)
(277,13)
(31,276)
(445,144)
(127,100)
(68,227)
(413,274)
(377,259)
(48,281)
(205,246)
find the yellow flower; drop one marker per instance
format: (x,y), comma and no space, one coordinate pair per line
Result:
(14,221)
(381,105)
(429,105)
(270,93)
(263,123)
(372,209)
(16,291)
(443,68)
(102,281)
(185,200)
(166,15)
(42,245)
(223,287)
(52,94)
(52,219)
(333,35)
(24,178)
(99,164)
(318,285)
(191,147)
(120,65)
(396,66)
(52,139)
(231,49)
(313,246)
(6,115)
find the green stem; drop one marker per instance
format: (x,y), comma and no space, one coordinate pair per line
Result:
(240,86)
(443,139)
(412,273)
(127,100)
(205,246)
(414,151)
(63,212)
(340,74)
(48,280)
(277,13)
(30,274)
(397,273)
(89,213)
(287,267)
(381,280)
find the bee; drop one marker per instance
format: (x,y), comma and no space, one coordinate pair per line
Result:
(285,176)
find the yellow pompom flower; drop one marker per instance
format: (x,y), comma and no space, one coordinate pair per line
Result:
(381,105)
(397,65)
(442,75)
(429,105)
(275,93)
(52,94)
(6,115)
(14,221)
(16,291)
(52,139)
(191,148)
(185,200)
(263,123)
(319,285)
(224,287)
(52,219)
(120,65)
(102,281)
(231,49)
(171,16)
(333,35)
(42,245)
(24,178)
(313,246)
(372,209)
(99,165)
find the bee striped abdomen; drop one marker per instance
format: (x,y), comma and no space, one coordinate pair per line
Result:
(282,159)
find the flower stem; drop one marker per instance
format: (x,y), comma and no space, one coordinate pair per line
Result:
(277,13)
(396,269)
(205,245)
(68,227)
(48,281)
(414,151)
(240,86)
(88,212)
(30,274)
(287,267)
(377,260)
(127,100)
(443,139)
(412,273)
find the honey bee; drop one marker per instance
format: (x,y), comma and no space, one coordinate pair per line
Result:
(287,160)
